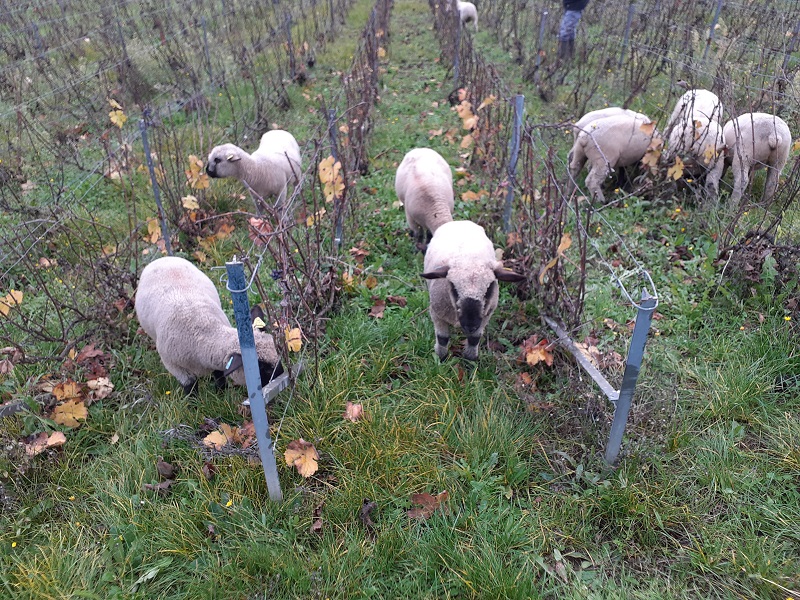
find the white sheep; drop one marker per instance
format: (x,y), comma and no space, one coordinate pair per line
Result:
(267,171)
(602,113)
(754,141)
(462,272)
(424,184)
(693,105)
(607,144)
(179,308)
(701,144)
(467,13)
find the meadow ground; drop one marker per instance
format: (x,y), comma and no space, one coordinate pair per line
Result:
(704,503)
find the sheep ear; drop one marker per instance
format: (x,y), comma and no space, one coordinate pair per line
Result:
(439,273)
(234,362)
(232,158)
(256,312)
(504,274)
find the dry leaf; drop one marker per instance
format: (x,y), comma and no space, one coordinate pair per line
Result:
(648,128)
(377,308)
(70,413)
(400,301)
(428,504)
(220,438)
(165,470)
(487,101)
(294,339)
(353,412)
(10,300)
(100,388)
(118,118)
(370,282)
(303,456)
(196,177)
(161,488)
(676,170)
(41,441)
(67,390)
(535,351)
(190,203)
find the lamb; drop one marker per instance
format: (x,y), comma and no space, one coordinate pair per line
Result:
(266,172)
(607,144)
(696,104)
(179,308)
(462,272)
(753,141)
(424,184)
(468,13)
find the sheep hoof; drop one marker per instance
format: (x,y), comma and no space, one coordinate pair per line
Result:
(190,388)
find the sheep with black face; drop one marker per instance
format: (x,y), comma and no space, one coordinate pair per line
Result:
(178,306)
(462,272)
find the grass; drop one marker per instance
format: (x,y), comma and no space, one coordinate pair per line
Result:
(704,504)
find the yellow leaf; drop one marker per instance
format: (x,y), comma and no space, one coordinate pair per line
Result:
(471,122)
(676,170)
(67,390)
(9,301)
(466,142)
(710,154)
(325,170)
(200,255)
(118,118)
(648,128)
(70,413)
(370,282)
(487,101)
(258,323)
(220,438)
(114,104)
(196,178)
(312,220)
(796,145)
(294,339)
(303,456)
(190,203)
(564,244)
(381,52)
(153,230)
(546,268)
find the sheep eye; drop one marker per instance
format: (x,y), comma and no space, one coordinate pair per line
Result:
(454,291)
(490,291)
(217,160)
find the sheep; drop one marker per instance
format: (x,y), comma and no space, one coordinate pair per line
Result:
(462,272)
(607,144)
(602,113)
(753,141)
(266,172)
(702,142)
(693,105)
(468,13)
(179,308)
(424,184)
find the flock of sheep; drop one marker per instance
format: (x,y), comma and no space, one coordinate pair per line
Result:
(612,138)
(180,309)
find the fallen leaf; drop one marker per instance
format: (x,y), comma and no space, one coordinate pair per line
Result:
(370,282)
(209,470)
(100,388)
(303,456)
(676,170)
(190,203)
(114,439)
(353,412)
(377,309)
(535,351)
(316,520)
(400,301)
(118,118)
(196,177)
(220,438)
(67,390)
(367,506)
(161,488)
(70,413)
(88,351)
(245,435)
(165,470)
(428,504)
(41,442)
(6,366)
(9,301)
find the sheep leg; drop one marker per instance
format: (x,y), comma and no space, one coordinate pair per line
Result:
(442,330)
(741,179)
(713,176)
(219,379)
(190,389)
(471,350)
(771,184)
(594,182)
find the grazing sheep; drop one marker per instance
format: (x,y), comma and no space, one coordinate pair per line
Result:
(701,144)
(753,141)
(602,113)
(179,308)
(468,13)
(424,184)
(267,171)
(462,272)
(693,105)
(608,144)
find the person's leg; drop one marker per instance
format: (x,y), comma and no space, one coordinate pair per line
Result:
(566,33)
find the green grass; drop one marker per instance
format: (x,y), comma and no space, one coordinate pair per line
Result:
(704,503)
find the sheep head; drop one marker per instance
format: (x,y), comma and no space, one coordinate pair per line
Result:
(222,161)
(269,364)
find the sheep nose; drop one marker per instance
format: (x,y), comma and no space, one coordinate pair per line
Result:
(209,170)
